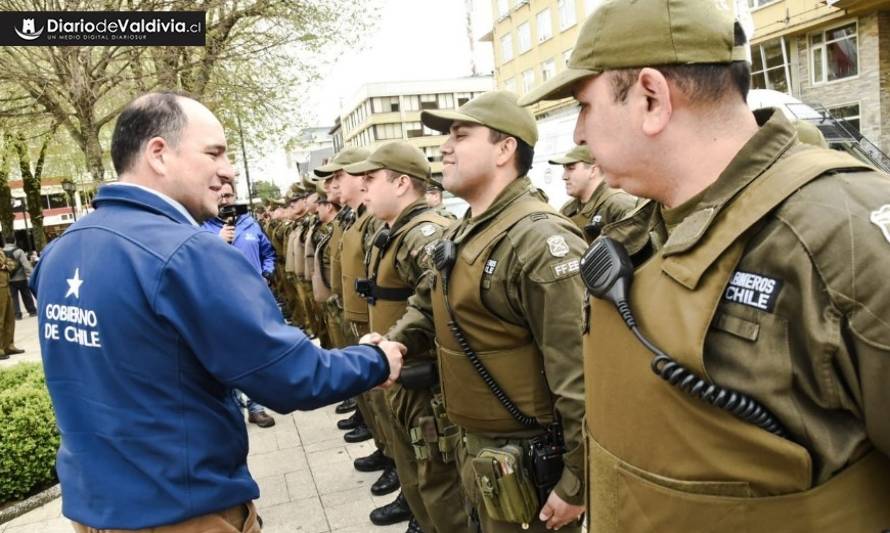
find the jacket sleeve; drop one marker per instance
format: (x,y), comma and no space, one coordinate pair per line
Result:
(23,259)
(267,252)
(227,318)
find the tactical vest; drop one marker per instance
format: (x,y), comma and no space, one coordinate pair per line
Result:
(390,294)
(321,288)
(661,460)
(352,263)
(298,252)
(309,251)
(336,251)
(289,248)
(507,350)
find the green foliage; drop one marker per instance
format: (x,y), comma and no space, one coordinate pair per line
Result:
(266,190)
(28,435)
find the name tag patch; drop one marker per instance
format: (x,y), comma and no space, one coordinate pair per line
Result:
(753,290)
(490,265)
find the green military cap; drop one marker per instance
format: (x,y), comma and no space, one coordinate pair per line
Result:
(578,154)
(396,156)
(346,156)
(808,133)
(497,110)
(622,34)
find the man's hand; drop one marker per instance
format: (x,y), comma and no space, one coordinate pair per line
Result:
(394,352)
(557,513)
(227,233)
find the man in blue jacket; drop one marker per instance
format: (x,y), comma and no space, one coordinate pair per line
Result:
(141,348)
(246,235)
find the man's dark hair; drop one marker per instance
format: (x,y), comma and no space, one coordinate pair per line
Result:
(417,184)
(702,83)
(525,154)
(151,115)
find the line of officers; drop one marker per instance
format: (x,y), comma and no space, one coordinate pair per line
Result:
(530,394)
(357,249)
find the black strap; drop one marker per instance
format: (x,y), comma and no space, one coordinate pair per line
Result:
(390,293)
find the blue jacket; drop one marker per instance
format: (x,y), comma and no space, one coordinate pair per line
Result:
(251,240)
(147,322)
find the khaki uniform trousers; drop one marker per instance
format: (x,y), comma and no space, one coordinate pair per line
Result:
(474,497)
(239,519)
(372,403)
(431,486)
(7,320)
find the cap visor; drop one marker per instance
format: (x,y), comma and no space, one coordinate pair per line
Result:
(442,120)
(563,161)
(362,167)
(327,170)
(559,87)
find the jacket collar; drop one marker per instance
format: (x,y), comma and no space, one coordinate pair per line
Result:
(144,198)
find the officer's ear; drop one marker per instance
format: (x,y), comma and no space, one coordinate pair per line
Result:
(154,155)
(506,150)
(651,97)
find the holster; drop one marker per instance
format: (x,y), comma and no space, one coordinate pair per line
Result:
(505,485)
(435,432)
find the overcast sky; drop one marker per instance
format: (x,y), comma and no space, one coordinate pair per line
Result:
(414,40)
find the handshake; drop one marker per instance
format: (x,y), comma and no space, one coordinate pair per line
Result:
(394,351)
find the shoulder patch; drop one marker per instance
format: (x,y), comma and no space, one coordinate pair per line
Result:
(881,218)
(427,229)
(566,268)
(558,246)
(538,216)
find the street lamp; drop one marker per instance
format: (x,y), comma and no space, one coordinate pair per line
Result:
(69,187)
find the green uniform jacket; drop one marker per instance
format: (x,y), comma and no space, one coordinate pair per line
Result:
(606,205)
(811,291)
(528,286)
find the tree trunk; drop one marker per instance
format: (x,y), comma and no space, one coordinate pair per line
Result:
(31,185)
(92,152)
(7,217)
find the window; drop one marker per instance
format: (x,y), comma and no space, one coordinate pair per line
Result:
(510,85)
(463,98)
(507,47)
(413,129)
(429,101)
(834,53)
(548,69)
(387,131)
(545,26)
(566,14)
(411,102)
(754,4)
(769,66)
(524,33)
(849,112)
(567,55)
(387,104)
(446,101)
(55,201)
(430,131)
(503,8)
(528,80)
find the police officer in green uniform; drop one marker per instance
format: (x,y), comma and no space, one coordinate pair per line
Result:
(396,176)
(505,311)
(328,211)
(434,199)
(594,204)
(357,231)
(760,281)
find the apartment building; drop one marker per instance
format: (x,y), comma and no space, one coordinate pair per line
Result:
(388,111)
(835,54)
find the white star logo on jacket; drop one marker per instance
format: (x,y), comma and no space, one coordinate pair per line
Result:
(74,284)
